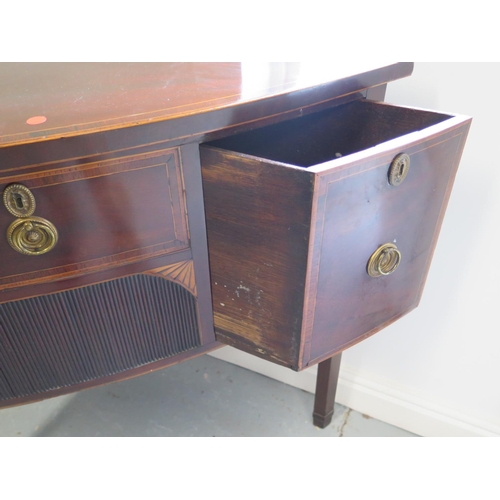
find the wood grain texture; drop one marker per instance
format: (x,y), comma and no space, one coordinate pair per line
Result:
(107,214)
(81,98)
(120,212)
(333,133)
(198,237)
(257,220)
(180,272)
(106,274)
(340,158)
(358,213)
(108,113)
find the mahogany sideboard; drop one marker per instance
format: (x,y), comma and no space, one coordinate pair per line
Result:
(321,206)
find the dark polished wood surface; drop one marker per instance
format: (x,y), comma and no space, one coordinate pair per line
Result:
(91,141)
(326,388)
(357,211)
(130,208)
(80,98)
(258,222)
(295,210)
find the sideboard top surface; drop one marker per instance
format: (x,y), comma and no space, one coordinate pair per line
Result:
(81,98)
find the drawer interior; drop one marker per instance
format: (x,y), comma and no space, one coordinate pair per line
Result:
(330,134)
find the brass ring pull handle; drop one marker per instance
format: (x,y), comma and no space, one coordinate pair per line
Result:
(384,260)
(32,235)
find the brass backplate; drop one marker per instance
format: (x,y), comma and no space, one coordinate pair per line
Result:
(399,169)
(32,236)
(19,200)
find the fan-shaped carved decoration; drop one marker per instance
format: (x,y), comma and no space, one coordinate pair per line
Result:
(180,272)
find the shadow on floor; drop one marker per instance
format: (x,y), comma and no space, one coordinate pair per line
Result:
(201,397)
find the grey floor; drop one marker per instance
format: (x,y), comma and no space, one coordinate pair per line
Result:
(200,397)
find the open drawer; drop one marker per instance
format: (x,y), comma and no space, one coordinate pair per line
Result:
(321,229)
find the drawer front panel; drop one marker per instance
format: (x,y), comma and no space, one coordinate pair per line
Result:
(106,213)
(299,248)
(360,211)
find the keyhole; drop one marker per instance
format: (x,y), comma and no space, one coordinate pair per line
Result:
(18,200)
(398,169)
(401,169)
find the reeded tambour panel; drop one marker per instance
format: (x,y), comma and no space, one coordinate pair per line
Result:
(84,334)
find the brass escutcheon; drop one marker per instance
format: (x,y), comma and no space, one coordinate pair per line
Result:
(32,236)
(384,260)
(19,200)
(399,169)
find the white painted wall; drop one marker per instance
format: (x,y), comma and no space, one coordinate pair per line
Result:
(436,372)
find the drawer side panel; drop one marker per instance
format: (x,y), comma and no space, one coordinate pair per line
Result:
(258,220)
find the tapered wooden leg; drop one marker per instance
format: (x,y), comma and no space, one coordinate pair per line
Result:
(326,387)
